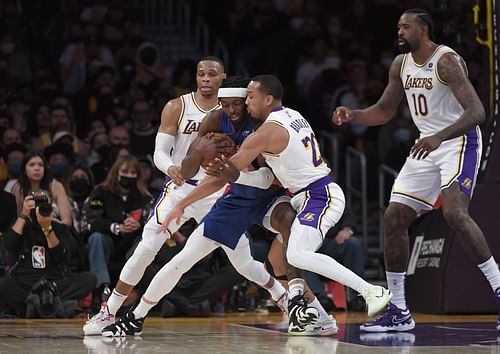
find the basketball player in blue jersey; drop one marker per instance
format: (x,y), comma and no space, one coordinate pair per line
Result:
(287,142)
(444,161)
(223,225)
(246,205)
(180,120)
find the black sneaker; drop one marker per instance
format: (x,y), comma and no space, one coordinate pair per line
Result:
(128,325)
(302,319)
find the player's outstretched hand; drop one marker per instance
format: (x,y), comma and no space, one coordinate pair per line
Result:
(341,115)
(175,214)
(227,169)
(175,173)
(424,146)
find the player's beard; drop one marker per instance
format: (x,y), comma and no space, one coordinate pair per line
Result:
(405,47)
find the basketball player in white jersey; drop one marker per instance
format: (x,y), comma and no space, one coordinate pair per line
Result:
(180,120)
(289,147)
(445,160)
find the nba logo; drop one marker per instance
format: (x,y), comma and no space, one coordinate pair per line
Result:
(38,257)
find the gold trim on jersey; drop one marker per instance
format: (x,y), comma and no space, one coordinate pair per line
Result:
(403,65)
(275,122)
(304,203)
(183,111)
(166,192)
(193,97)
(411,196)
(428,59)
(461,157)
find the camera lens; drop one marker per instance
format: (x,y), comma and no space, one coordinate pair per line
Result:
(45,209)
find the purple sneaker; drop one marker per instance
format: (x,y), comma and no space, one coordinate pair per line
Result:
(393,319)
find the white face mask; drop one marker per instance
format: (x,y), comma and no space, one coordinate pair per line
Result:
(7,47)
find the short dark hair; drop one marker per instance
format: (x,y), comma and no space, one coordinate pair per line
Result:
(212,58)
(425,19)
(270,85)
(235,81)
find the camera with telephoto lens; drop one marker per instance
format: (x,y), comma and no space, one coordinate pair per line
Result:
(46,292)
(42,202)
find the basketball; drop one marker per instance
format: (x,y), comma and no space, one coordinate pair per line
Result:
(226,146)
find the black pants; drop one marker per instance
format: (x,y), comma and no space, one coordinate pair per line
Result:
(74,287)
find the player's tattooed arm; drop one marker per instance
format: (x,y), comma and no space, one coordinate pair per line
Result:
(452,70)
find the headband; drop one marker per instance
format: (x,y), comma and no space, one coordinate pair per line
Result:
(232,92)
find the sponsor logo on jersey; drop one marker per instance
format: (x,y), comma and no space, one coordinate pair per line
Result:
(418,82)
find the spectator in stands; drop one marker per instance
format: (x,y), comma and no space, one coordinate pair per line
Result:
(60,156)
(40,245)
(115,213)
(119,136)
(39,121)
(10,136)
(143,134)
(35,177)
(18,62)
(79,182)
(14,154)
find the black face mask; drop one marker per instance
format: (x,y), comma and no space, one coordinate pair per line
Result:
(104,151)
(127,182)
(80,186)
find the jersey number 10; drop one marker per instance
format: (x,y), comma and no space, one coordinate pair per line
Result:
(420,105)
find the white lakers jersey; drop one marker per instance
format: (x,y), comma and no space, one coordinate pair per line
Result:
(300,163)
(189,123)
(431,102)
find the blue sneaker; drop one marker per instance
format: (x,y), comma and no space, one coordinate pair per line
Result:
(497,295)
(393,319)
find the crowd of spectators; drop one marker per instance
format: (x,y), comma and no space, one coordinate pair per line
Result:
(82,88)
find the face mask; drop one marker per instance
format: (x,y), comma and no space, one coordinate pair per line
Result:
(104,151)
(79,186)
(402,135)
(7,47)
(58,169)
(127,182)
(15,168)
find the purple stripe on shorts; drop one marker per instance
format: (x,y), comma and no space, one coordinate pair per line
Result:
(466,178)
(318,200)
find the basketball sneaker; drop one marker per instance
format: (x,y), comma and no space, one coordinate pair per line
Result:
(393,319)
(282,303)
(328,326)
(376,298)
(302,318)
(103,318)
(128,325)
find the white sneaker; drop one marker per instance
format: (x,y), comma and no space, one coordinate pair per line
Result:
(95,325)
(376,298)
(282,303)
(328,326)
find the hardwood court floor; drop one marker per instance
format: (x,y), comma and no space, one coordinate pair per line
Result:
(256,334)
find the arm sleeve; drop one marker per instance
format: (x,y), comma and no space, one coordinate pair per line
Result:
(163,147)
(262,178)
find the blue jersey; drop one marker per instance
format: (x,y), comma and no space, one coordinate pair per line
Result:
(243,206)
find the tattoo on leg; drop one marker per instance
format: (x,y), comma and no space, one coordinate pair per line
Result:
(397,219)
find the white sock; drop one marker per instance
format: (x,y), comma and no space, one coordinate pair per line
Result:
(142,309)
(295,287)
(317,305)
(115,301)
(276,291)
(491,272)
(396,284)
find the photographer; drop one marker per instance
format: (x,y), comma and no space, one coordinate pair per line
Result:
(40,246)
